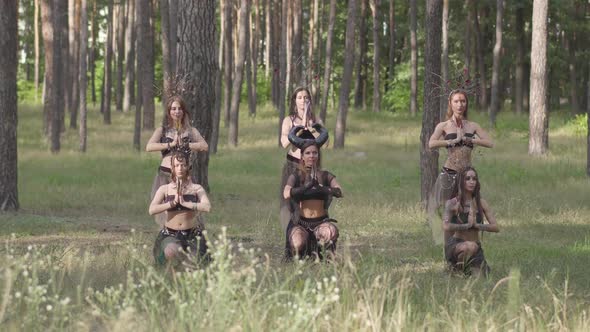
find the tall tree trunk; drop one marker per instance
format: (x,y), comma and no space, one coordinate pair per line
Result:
(92,56)
(268,38)
(445,55)
(37,51)
(496,103)
(538,114)
(228,59)
(139,96)
(413,59)
(519,72)
(65,71)
(328,64)
(391,55)
(283,66)
(108,72)
(276,78)
(254,38)
(83,78)
(297,63)
(570,40)
(359,97)
(289,50)
(431,114)
(343,102)
(588,125)
(312,55)
(166,46)
(239,72)
(130,36)
(75,63)
(8,106)
(483,94)
(145,52)
(377,27)
(218,81)
(173,9)
(120,38)
(198,58)
(468,34)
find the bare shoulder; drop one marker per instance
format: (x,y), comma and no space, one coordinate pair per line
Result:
(484,204)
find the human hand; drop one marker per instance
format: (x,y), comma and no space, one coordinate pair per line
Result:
(460,135)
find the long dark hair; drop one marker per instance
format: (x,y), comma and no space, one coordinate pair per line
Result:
(186,117)
(459,191)
(450,108)
(293,105)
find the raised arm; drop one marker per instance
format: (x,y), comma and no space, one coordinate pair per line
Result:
(156,206)
(450,209)
(491,226)
(482,139)
(154,144)
(285,132)
(198,142)
(204,205)
(436,140)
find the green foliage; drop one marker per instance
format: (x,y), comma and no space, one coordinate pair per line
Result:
(397,99)
(579,124)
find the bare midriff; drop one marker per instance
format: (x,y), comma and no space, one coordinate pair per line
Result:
(312,208)
(181,220)
(458,158)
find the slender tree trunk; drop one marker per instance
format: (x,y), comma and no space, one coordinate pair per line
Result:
(239,72)
(8,106)
(37,50)
(92,56)
(145,58)
(313,47)
(228,59)
(483,95)
(571,48)
(254,38)
(391,55)
(413,59)
(173,9)
(297,54)
(289,51)
(468,34)
(377,27)
(268,38)
(431,114)
(83,79)
(276,79)
(359,96)
(120,37)
(139,96)
(129,56)
(519,72)
(538,114)
(65,72)
(496,102)
(75,63)
(166,46)
(445,55)
(198,58)
(328,64)
(218,81)
(108,72)
(283,65)
(343,103)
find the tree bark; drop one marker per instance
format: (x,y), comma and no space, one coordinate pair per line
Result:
(538,115)
(483,95)
(445,55)
(108,73)
(238,73)
(343,102)
(468,34)
(120,38)
(268,37)
(519,71)
(431,114)
(571,50)
(228,59)
(391,55)
(92,55)
(588,125)
(376,56)
(276,79)
(130,36)
(413,59)
(8,106)
(297,62)
(83,78)
(254,38)
(313,47)
(328,64)
(283,66)
(359,98)
(198,58)
(138,101)
(145,52)
(218,81)
(173,9)
(496,103)
(166,46)
(37,50)
(75,63)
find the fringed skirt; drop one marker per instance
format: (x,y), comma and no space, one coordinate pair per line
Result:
(191,241)
(477,261)
(312,247)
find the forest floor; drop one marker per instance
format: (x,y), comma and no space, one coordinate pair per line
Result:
(94,205)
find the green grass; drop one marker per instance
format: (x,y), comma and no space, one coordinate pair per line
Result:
(78,212)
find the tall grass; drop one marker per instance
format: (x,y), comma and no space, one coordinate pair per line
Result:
(73,263)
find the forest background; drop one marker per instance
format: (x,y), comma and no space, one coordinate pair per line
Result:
(80,137)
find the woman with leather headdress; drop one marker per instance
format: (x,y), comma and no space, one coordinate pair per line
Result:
(310,190)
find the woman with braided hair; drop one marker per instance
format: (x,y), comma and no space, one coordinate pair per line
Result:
(459,136)
(176,134)
(464,219)
(309,191)
(182,200)
(300,114)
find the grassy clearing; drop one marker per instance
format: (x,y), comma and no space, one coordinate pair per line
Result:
(78,212)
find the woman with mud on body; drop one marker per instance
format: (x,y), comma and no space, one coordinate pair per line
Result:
(300,114)
(183,200)
(310,190)
(459,136)
(464,219)
(176,134)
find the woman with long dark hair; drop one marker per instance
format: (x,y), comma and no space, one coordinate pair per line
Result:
(464,218)
(310,190)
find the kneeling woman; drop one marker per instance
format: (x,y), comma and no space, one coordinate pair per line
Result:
(182,200)
(310,190)
(463,217)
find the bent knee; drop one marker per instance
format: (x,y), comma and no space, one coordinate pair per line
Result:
(326,232)
(298,237)
(172,251)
